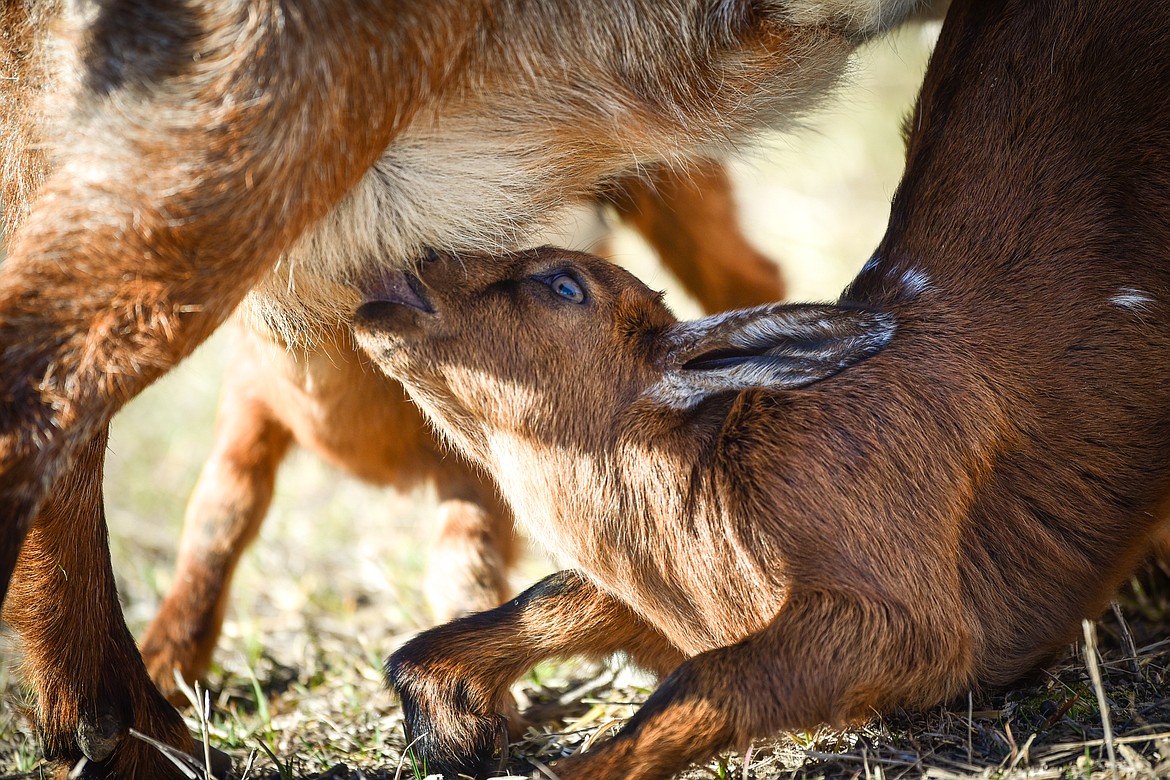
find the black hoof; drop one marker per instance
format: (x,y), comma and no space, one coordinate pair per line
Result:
(97,737)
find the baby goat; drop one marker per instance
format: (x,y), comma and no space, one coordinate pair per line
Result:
(803,514)
(330,401)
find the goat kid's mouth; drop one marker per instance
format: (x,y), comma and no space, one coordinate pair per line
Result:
(393,308)
(397,288)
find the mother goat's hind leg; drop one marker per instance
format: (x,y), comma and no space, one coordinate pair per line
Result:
(690,216)
(80,657)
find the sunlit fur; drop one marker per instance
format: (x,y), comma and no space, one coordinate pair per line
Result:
(163,159)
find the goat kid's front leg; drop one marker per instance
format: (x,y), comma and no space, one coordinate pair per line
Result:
(453,680)
(826,658)
(81,660)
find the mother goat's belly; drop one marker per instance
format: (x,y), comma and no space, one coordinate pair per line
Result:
(477,173)
(452,193)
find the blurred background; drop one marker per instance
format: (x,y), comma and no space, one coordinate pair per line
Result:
(333,581)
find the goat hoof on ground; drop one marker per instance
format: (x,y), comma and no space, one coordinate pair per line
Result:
(97,737)
(451,728)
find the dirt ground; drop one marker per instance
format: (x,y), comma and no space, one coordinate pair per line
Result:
(332,587)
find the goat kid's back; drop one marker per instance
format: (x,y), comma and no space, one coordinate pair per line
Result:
(1026,262)
(940,514)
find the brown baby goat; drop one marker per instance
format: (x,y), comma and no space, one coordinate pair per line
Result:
(331,401)
(803,514)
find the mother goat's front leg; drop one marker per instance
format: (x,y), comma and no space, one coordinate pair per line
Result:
(454,679)
(80,658)
(826,658)
(197,148)
(200,143)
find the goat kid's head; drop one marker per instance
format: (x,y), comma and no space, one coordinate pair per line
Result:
(562,346)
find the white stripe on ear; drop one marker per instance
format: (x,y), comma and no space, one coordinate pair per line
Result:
(782,347)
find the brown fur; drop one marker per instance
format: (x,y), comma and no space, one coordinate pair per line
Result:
(75,675)
(163,159)
(831,510)
(330,401)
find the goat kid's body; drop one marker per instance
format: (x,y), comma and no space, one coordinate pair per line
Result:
(1006,458)
(940,515)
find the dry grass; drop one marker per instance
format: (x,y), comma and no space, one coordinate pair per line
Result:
(330,589)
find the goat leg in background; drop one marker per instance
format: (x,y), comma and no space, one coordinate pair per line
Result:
(80,657)
(690,217)
(826,658)
(223,517)
(332,403)
(475,546)
(453,680)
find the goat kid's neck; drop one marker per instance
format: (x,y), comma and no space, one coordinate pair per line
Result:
(643,521)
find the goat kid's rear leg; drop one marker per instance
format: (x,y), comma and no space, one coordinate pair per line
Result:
(691,219)
(467,569)
(81,659)
(825,658)
(223,517)
(453,680)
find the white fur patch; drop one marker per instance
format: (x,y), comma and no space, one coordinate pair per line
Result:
(859,17)
(915,282)
(1133,299)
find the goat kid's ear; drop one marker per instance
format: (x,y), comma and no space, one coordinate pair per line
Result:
(776,346)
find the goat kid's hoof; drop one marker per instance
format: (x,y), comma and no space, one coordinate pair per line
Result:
(452,726)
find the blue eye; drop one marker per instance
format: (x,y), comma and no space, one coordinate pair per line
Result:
(567,287)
